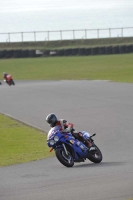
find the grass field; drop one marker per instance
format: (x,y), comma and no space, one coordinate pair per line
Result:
(20,143)
(117,68)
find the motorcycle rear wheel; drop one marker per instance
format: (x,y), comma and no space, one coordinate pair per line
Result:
(96,155)
(12,82)
(66,160)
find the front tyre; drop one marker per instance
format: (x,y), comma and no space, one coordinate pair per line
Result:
(66,160)
(96,155)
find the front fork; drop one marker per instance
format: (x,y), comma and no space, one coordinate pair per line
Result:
(65,149)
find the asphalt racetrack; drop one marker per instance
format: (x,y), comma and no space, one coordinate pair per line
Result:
(96,106)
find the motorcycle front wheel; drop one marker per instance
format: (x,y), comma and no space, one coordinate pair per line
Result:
(96,155)
(66,160)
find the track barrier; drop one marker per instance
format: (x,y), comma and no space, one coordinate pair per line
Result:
(104,50)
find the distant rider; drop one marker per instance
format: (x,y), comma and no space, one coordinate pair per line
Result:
(66,127)
(7,77)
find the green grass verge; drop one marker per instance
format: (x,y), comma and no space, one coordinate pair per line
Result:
(118,68)
(20,143)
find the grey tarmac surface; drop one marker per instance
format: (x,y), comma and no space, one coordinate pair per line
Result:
(96,106)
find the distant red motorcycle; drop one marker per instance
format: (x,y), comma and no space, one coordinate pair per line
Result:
(9,80)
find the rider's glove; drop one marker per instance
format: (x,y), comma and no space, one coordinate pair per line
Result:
(68,130)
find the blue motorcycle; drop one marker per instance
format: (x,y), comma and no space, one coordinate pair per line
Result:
(69,150)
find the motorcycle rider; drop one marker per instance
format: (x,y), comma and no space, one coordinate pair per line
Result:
(7,77)
(66,127)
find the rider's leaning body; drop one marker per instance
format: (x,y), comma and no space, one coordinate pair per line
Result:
(7,77)
(65,127)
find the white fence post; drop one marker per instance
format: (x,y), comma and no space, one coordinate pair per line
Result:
(63,35)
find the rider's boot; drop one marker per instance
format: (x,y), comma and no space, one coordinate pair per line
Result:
(86,142)
(89,145)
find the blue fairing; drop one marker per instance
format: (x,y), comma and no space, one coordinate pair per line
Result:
(79,149)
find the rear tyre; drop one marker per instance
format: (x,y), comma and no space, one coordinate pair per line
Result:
(66,160)
(12,82)
(96,155)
